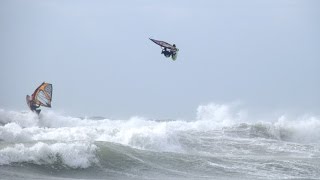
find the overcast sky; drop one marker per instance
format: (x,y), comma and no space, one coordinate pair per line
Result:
(264,54)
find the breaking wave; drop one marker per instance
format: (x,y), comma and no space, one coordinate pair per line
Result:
(220,135)
(72,155)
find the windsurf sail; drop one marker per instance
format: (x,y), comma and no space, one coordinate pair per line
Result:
(164,44)
(42,96)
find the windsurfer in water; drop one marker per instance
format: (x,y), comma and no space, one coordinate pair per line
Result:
(42,96)
(34,106)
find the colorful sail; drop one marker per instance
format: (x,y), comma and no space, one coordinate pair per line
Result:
(43,95)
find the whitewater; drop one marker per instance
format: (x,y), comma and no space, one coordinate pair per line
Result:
(222,142)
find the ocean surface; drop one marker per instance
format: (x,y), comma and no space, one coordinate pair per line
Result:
(219,144)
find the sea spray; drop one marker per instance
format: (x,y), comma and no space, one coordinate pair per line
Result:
(221,142)
(73,155)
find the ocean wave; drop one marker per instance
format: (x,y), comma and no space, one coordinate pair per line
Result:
(142,133)
(222,141)
(71,155)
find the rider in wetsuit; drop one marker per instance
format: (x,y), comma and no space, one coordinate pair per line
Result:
(166,53)
(169,53)
(34,106)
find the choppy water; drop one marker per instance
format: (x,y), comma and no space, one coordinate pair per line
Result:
(219,144)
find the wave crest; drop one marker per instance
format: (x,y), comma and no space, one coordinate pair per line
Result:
(72,155)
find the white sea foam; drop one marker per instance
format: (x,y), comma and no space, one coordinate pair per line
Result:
(73,155)
(302,129)
(146,134)
(220,136)
(24,119)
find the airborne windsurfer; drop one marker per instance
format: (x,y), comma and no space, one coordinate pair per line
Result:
(169,53)
(167,49)
(166,53)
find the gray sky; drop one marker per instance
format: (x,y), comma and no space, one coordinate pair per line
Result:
(264,54)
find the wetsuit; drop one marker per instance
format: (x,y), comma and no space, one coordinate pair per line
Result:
(166,53)
(34,107)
